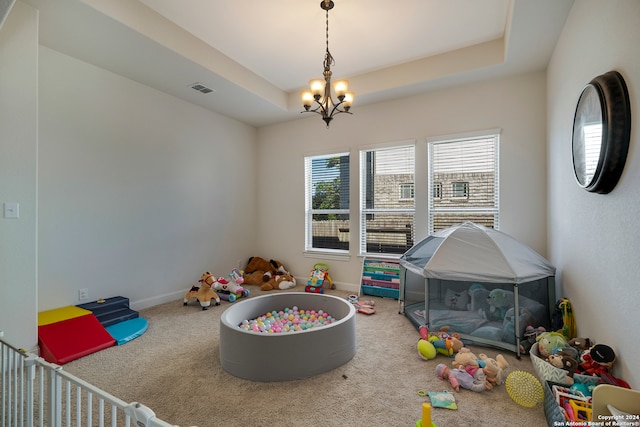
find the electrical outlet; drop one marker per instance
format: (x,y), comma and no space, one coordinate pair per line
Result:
(83,294)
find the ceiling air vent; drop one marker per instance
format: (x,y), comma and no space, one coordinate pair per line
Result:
(201,88)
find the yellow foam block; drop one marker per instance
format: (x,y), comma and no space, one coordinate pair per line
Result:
(59,314)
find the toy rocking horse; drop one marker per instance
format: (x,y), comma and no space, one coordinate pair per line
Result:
(204,293)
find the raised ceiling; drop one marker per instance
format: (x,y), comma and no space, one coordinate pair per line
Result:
(257,55)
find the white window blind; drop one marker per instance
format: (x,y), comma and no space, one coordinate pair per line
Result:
(464,181)
(327,202)
(387,206)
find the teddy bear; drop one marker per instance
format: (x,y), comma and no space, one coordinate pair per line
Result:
(464,358)
(499,302)
(203,293)
(494,369)
(259,271)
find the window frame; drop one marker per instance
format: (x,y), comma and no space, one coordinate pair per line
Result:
(468,209)
(364,185)
(309,211)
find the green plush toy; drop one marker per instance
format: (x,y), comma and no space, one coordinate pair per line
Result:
(499,302)
(549,343)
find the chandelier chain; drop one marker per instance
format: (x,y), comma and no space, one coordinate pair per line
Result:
(328,59)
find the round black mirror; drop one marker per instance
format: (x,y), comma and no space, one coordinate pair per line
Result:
(601,131)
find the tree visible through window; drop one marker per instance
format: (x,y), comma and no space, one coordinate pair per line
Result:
(463,181)
(327,202)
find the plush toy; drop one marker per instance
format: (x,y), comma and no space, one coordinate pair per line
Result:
(230,290)
(550,343)
(598,360)
(529,338)
(279,281)
(495,369)
(509,324)
(445,343)
(581,344)
(474,379)
(464,358)
(564,361)
(203,293)
(499,302)
(259,271)
(426,350)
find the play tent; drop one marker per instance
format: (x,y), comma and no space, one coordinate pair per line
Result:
(461,267)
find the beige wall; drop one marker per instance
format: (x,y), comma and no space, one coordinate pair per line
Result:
(18,173)
(139,192)
(594,239)
(516,105)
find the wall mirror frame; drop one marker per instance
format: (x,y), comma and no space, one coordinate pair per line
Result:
(601,132)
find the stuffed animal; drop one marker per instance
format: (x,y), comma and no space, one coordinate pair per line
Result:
(473,379)
(230,290)
(529,338)
(426,350)
(581,344)
(445,343)
(203,293)
(550,343)
(499,302)
(509,324)
(279,281)
(598,360)
(495,369)
(464,358)
(564,361)
(259,271)
(430,344)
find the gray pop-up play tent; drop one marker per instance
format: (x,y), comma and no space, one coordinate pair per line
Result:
(461,267)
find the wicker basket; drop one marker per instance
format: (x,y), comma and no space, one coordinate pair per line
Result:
(545,370)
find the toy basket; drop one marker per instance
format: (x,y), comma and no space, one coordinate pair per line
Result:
(547,372)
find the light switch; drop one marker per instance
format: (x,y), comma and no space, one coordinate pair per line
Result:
(11,210)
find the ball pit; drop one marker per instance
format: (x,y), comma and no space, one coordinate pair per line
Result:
(287,355)
(287,320)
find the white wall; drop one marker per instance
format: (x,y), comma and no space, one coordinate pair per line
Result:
(139,192)
(18,174)
(517,105)
(594,239)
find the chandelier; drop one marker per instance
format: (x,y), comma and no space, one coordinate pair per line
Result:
(319,92)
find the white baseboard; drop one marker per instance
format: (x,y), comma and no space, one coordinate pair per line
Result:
(156,300)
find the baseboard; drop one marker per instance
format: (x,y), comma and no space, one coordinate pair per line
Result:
(157,300)
(343,286)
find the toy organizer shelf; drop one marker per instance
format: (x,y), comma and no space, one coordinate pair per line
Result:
(380,277)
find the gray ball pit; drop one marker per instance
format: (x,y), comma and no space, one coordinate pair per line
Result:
(286,356)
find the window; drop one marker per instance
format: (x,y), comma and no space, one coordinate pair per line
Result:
(466,169)
(327,203)
(407,191)
(386,214)
(437,190)
(460,189)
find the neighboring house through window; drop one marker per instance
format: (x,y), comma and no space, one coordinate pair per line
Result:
(387,205)
(327,203)
(463,180)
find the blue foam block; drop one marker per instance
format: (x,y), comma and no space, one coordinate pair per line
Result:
(128,330)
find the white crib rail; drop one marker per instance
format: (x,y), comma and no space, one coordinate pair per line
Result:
(34,392)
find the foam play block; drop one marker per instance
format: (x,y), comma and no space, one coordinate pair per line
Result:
(71,339)
(128,330)
(59,314)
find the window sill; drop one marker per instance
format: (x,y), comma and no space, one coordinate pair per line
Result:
(335,256)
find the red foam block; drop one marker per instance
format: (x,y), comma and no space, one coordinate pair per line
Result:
(71,339)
